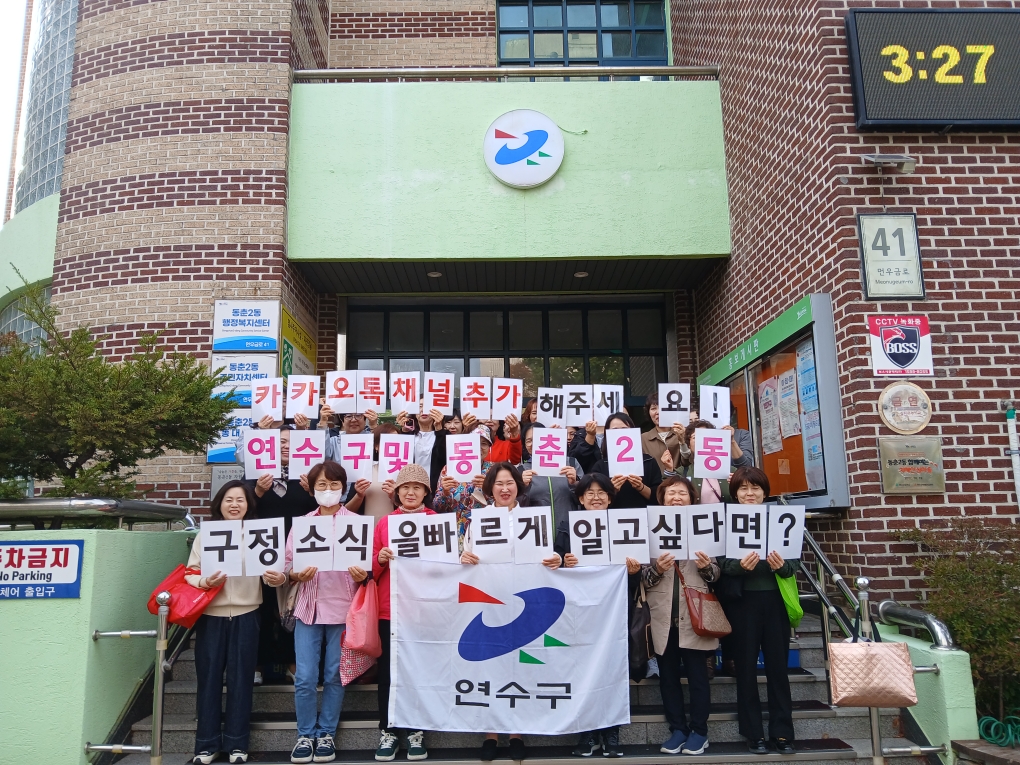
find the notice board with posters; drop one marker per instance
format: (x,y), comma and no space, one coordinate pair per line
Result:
(784,390)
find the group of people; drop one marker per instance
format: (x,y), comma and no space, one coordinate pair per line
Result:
(228,633)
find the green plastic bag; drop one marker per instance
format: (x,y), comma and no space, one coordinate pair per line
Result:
(791,597)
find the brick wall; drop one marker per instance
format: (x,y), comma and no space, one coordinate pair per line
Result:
(796,181)
(310,34)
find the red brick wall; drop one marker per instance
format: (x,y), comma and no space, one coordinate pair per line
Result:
(396,24)
(796,181)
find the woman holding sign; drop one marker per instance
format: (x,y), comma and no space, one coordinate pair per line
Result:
(320,611)
(227,638)
(760,623)
(631,490)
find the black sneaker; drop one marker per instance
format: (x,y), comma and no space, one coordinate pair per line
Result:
(518,751)
(611,743)
(303,750)
(757,747)
(783,745)
(488,750)
(325,749)
(587,744)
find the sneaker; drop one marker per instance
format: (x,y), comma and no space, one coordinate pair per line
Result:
(611,743)
(518,751)
(587,745)
(258,677)
(674,743)
(387,746)
(696,744)
(653,668)
(416,747)
(325,749)
(238,756)
(489,750)
(303,750)
(205,758)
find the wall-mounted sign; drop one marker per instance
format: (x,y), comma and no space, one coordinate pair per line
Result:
(246,325)
(223,473)
(912,465)
(890,258)
(41,569)
(240,371)
(905,408)
(225,443)
(298,348)
(523,148)
(900,346)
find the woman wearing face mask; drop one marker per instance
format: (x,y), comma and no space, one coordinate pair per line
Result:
(631,490)
(760,623)
(410,492)
(556,491)
(320,612)
(594,492)
(503,483)
(227,638)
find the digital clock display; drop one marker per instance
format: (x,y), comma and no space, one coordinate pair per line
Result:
(916,68)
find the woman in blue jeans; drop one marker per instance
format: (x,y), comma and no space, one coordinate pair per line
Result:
(320,612)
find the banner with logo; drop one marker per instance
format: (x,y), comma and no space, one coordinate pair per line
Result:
(900,346)
(510,648)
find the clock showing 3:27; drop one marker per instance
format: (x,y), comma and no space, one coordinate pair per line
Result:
(935,68)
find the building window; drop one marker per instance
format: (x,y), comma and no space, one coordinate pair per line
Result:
(13,319)
(597,32)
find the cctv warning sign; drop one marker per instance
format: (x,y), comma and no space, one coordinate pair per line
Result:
(900,346)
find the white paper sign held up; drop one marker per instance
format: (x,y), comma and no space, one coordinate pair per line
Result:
(221,548)
(507,397)
(439,538)
(745,530)
(267,398)
(706,529)
(786,530)
(405,392)
(262,454)
(312,539)
(551,407)
(666,532)
(578,402)
(475,396)
(303,396)
(548,450)
(711,453)
(623,445)
(533,534)
(342,391)
(463,456)
(674,404)
(589,537)
(353,543)
(715,404)
(395,451)
(438,392)
(264,543)
(628,534)
(307,449)
(356,456)
(492,535)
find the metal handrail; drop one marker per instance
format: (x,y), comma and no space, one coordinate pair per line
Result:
(38,508)
(182,641)
(501,72)
(890,612)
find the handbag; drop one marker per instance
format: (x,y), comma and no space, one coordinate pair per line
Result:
(707,617)
(362,633)
(286,601)
(353,664)
(871,674)
(639,635)
(791,597)
(187,603)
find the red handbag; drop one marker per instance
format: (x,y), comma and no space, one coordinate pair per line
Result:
(186,602)
(362,633)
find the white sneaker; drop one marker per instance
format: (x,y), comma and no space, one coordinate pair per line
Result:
(205,758)
(238,756)
(258,677)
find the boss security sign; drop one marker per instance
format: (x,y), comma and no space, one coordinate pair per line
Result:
(523,148)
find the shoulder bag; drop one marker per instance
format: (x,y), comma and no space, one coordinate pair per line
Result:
(791,597)
(187,603)
(871,674)
(707,617)
(639,638)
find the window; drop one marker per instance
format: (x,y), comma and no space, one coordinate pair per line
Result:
(603,32)
(12,319)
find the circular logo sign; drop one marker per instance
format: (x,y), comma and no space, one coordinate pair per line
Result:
(523,148)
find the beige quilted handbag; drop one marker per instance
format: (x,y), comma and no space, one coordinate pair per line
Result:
(871,675)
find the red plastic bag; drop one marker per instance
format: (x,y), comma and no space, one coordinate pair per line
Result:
(186,602)
(362,632)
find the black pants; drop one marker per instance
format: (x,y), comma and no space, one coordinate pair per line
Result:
(383,676)
(762,624)
(276,645)
(230,643)
(695,662)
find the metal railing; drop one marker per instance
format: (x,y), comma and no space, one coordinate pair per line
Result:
(502,72)
(56,510)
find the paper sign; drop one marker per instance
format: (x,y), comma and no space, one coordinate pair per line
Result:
(405,534)
(356,456)
(303,396)
(267,398)
(312,537)
(666,532)
(608,399)
(533,534)
(262,453)
(589,537)
(623,445)
(438,392)
(715,404)
(475,397)
(492,535)
(307,449)
(550,407)
(371,391)
(706,530)
(711,453)
(264,546)
(628,534)
(221,548)
(342,391)
(507,396)
(548,451)
(463,456)
(405,392)
(745,530)
(353,543)
(674,404)
(439,538)
(395,451)
(578,404)
(786,530)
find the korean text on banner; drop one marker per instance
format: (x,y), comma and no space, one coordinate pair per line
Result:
(371,391)
(476,396)
(356,456)
(463,456)
(437,392)
(491,532)
(342,391)
(262,454)
(303,396)
(589,537)
(714,404)
(240,373)
(706,530)
(666,532)
(439,538)
(405,531)
(579,404)
(221,548)
(674,404)
(711,453)
(223,449)
(307,449)
(507,397)
(548,451)
(312,539)
(745,530)
(623,445)
(264,543)
(353,543)
(608,400)
(405,392)
(628,534)
(533,534)
(267,399)
(395,451)
(786,530)
(565,672)
(550,407)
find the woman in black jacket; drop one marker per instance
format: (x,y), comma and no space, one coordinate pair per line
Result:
(633,490)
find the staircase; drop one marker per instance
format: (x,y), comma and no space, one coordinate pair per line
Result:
(824,734)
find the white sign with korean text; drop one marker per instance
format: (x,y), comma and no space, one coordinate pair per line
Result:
(405,532)
(892,258)
(507,396)
(241,372)
(439,538)
(548,450)
(666,532)
(262,454)
(476,397)
(264,543)
(224,448)
(711,453)
(312,540)
(706,529)
(267,399)
(246,325)
(342,391)
(492,538)
(371,391)
(589,537)
(628,534)
(623,445)
(463,456)
(405,392)
(221,548)
(438,392)
(395,451)
(307,449)
(533,534)
(303,396)
(353,541)
(550,407)
(608,399)
(746,527)
(356,456)
(714,404)
(674,404)
(786,530)
(41,569)
(578,402)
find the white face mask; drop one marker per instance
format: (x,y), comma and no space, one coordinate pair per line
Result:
(328,498)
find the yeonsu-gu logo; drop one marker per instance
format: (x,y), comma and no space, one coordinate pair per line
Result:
(480,642)
(523,148)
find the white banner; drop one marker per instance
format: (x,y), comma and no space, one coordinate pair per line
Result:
(508,648)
